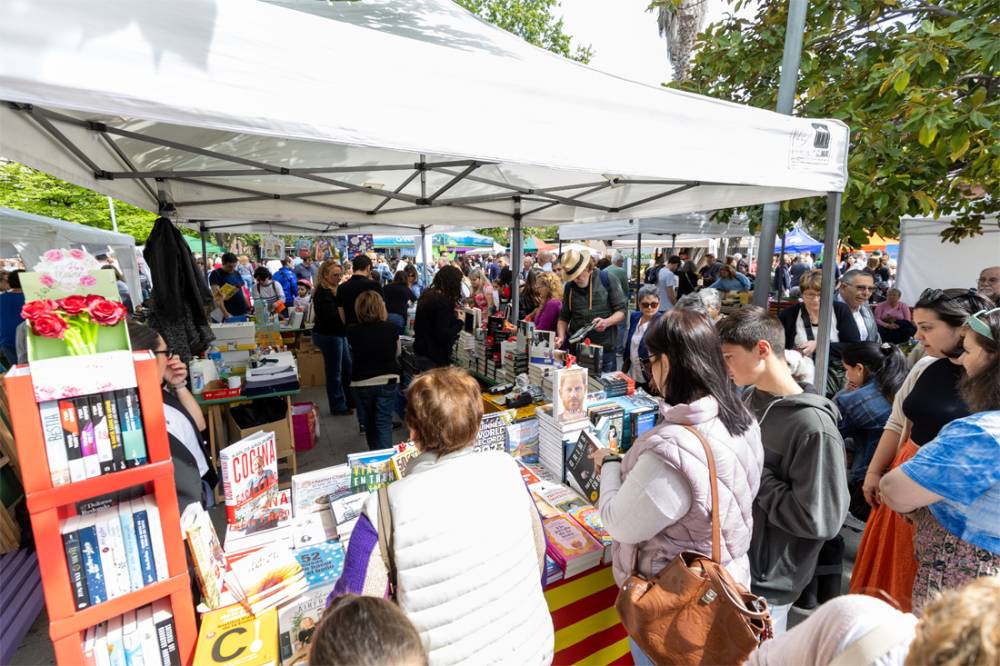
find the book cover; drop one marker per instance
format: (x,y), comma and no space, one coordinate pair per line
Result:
(322,563)
(297,621)
(71,439)
(569,394)
(401,460)
(553,572)
(166,634)
(55,443)
(529,476)
(88,439)
(102,437)
(156,536)
(249,470)
(233,637)
(346,511)
(267,511)
(74,560)
(131,639)
(268,576)
(146,631)
(560,497)
(113,543)
(206,553)
(589,518)
(92,569)
(581,469)
(133,437)
(116,644)
(311,490)
(545,510)
(133,559)
(568,541)
(143,542)
(614,427)
(493,435)
(114,430)
(370,470)
(313,528)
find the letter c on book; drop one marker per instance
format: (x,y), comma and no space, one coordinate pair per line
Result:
(217,646)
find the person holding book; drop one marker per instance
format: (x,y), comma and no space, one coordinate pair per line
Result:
(193,472)
(227,290)
(469,579)
(375,375)
(656,500)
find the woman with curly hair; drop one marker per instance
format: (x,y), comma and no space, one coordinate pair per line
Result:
(548,294)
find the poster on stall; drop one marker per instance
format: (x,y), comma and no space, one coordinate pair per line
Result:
(340,247)
(303,247)
(359,244)
(272,247)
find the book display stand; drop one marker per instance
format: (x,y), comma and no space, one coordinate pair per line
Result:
(48,505)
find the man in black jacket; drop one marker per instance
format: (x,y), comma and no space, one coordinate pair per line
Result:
(360,281)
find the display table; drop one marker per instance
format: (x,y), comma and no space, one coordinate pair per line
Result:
(587,630)
(492,403)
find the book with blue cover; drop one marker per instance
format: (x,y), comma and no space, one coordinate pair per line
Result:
(147,563)
(132,558)
(91,552)
(322,564)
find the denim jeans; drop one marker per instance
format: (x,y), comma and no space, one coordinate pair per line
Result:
(377,404)
(609,361)
(337,359)
(398,320)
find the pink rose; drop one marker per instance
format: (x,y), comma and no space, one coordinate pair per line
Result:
(53,255)
(73,305)
(32,309)
(76,254)
(107,313)
(49,325)
(47,280)
(88,281)
(94,298)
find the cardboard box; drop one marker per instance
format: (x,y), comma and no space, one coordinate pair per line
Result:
(312,370)
(281,428)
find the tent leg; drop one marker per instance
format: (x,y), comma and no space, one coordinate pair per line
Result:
(423,254)
(517,241)
(638,267)
(781,262)
(560,246)
(673,244)
(204,249)
(830,235)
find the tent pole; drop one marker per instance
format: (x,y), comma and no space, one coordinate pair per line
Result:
(517,242)
(781,262)
(204,249)
(830,235)
(673,244)
(638,267)
(560,245)
(423,254)
(114,218)
(794,30)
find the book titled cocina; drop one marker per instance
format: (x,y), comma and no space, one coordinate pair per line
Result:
(249,469)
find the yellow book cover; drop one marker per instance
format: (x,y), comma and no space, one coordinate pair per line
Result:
(232,636)
(227,290)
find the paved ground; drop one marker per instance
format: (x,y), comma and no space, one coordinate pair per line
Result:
(338,437)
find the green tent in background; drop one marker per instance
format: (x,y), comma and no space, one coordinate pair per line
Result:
(195,244)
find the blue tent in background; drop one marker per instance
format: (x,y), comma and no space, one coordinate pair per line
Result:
(393,241)
(797,240)
(463,240)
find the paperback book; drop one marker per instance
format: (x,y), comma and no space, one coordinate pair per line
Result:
(311,490)
(572,547)
(249,476)
(581,470)
(297,621)
(206,553)
(234,637)
(268,577)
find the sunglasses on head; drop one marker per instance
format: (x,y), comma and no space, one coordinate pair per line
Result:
(980,326)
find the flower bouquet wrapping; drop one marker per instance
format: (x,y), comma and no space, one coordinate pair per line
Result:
(73,319)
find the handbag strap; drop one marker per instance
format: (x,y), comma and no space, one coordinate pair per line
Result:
(873,644)
(714,479)
(385,535)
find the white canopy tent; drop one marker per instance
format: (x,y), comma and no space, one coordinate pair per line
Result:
(31,235)
(375,116)
(927,260)
(694,224)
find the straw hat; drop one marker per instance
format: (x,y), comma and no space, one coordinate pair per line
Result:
(573,263)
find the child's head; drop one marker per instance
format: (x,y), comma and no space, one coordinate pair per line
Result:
(366,631)
(304,288)
(750,339)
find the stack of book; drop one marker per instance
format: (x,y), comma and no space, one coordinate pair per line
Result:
(91,435)
(114,551)
(554,439)
(617,384)
(589,519)
(267,578)
(540,375)
(145,635)
(608,420)
(298,618)
(513,359)
(250,482)
(572,547)
(232,635)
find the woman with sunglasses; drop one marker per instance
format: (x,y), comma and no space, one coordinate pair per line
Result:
(951,488)
(194,475)
(636,358)
(927,401)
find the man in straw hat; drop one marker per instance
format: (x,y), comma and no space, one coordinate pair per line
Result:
(590,297)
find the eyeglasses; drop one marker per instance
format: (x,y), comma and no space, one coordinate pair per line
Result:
(648,305)
(980,326)
(168,352)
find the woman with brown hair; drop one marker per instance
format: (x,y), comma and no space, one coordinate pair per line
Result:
(365,631)
(548,294)
(329,335)
(471,582)
(375,376)
(437,322)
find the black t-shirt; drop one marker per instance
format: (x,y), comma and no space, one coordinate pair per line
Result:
(348,292)
(327,319)
(397,297)
(236,305)
(934,401)
(373,349)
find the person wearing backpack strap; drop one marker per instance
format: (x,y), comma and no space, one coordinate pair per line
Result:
(590,297)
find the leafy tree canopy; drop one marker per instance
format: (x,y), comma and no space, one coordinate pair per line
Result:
(532,21)
(918,84)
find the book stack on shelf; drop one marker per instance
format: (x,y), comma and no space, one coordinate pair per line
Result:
(540,375)
(145,635)
(554,439)
(616,384)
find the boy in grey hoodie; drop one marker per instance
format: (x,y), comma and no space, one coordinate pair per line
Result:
(803,495)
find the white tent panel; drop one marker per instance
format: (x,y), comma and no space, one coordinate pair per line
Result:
(692,224)
(250,111)
(927,260)
(31,235)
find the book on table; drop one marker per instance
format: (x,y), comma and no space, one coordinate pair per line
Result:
(249,476)
(571,546)
(268,577)
(581,470)
(311,490)
(234,637)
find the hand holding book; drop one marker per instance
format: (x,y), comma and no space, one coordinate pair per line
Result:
(600,455)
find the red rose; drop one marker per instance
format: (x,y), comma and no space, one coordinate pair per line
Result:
(107,313)
(49,325)
(73,305)
(32,309)
(92,299)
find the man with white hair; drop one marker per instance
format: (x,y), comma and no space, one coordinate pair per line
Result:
(988,285)
(545,261)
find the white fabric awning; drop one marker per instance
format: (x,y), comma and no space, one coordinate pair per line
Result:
(694,224)
(387,113)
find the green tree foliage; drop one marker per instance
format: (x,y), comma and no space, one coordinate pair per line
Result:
(918,83)
(532,21)
(502,234)
(32,191)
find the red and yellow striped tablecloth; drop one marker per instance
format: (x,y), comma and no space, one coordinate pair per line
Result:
(586,624)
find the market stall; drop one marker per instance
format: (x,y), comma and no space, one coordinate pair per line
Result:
(927,260)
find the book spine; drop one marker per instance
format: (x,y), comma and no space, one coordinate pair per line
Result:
(101,436)
(88,441)
(108,571)
(114,430)
(225,462)
(74,560)
(134,437)
(101,656)
(55,444)
(94,572)
(116,646)
(132,557)
(119,560)
(156,537)
(144,543)
(166,636)
(131,640)
(71,440)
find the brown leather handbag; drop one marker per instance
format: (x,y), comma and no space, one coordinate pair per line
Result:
(692,611)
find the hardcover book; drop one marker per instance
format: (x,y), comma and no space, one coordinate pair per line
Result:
(206,553)
(297,621)
(249,471)
(311,490)
(233,637)
(581,469)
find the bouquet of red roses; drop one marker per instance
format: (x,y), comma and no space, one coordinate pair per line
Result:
(74,319)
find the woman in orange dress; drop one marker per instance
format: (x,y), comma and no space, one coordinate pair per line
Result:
(926,402)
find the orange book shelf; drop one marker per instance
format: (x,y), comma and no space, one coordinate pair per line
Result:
(48,505)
